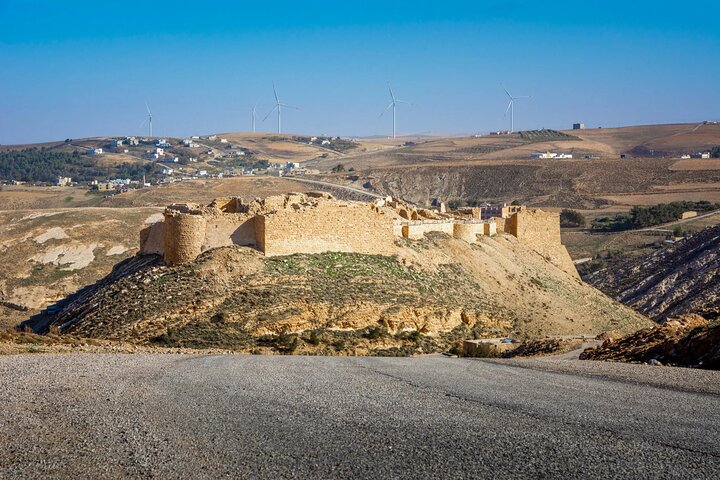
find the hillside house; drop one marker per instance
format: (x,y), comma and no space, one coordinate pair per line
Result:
(64,181)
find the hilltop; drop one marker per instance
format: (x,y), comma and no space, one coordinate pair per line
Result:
(429,295)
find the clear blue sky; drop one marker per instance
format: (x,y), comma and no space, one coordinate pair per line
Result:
(76,69)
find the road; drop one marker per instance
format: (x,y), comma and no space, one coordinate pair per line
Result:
(664,226)
(297,178)
(183,416)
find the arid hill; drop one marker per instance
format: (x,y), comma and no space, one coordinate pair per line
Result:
(431,294)
(681,278)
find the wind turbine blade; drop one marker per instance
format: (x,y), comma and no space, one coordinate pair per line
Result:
(271,111)
(386,109)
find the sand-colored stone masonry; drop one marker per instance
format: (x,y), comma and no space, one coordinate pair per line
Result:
(328,227)
(316,223)
(183,234)
(541,231)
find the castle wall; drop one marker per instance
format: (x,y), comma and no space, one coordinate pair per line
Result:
(184,235)
(229,229)
(490,228)
(416,230)
(356,228)
(541,231)
(152,239)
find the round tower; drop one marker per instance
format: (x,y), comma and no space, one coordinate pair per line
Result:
(184,236)
(466,231)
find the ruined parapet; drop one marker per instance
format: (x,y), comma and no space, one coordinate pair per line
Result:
(184,235)
(541,231)
(415,230)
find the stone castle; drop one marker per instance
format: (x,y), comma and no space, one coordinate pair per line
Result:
(316,222)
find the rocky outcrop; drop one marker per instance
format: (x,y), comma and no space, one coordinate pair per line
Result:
(689,341)
(680,278)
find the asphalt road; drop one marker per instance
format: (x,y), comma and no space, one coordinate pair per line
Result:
(168,416)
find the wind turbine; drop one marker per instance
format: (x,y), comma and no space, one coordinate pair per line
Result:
(254,114)
(148,120)
(278,106)
(393,103)
(511,107)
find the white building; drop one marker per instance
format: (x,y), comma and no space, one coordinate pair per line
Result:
(64,181)
(551,155)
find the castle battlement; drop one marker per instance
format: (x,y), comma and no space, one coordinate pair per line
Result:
(316,222)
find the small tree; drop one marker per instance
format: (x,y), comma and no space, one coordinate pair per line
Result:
(571,218)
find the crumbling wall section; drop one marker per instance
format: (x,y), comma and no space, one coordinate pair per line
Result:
(541,231)
(416,230)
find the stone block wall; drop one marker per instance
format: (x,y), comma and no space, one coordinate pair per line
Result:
(416,230)
(541,231)
(328,227)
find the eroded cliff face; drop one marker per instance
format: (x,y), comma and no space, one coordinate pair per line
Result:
(681,278)
(438,288)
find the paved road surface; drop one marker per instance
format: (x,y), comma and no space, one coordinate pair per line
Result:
(166,416)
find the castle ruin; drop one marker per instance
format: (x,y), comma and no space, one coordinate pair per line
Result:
(316,222)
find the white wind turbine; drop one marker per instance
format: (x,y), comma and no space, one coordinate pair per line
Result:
(148,120)
(278,106)
(511,107)
(393,103)
(254,114)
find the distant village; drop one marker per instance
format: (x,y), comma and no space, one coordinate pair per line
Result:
(177,161)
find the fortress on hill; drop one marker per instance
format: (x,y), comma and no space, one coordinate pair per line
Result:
(316,222)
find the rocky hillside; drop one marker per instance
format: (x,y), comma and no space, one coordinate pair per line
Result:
(431,294)
(46,255)
(681,278)
(689,341)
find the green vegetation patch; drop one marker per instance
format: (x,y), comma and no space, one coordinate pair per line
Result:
(643,217)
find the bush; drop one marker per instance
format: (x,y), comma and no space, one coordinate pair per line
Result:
(571,218)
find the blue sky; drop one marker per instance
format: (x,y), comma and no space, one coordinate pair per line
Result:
(76,69)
